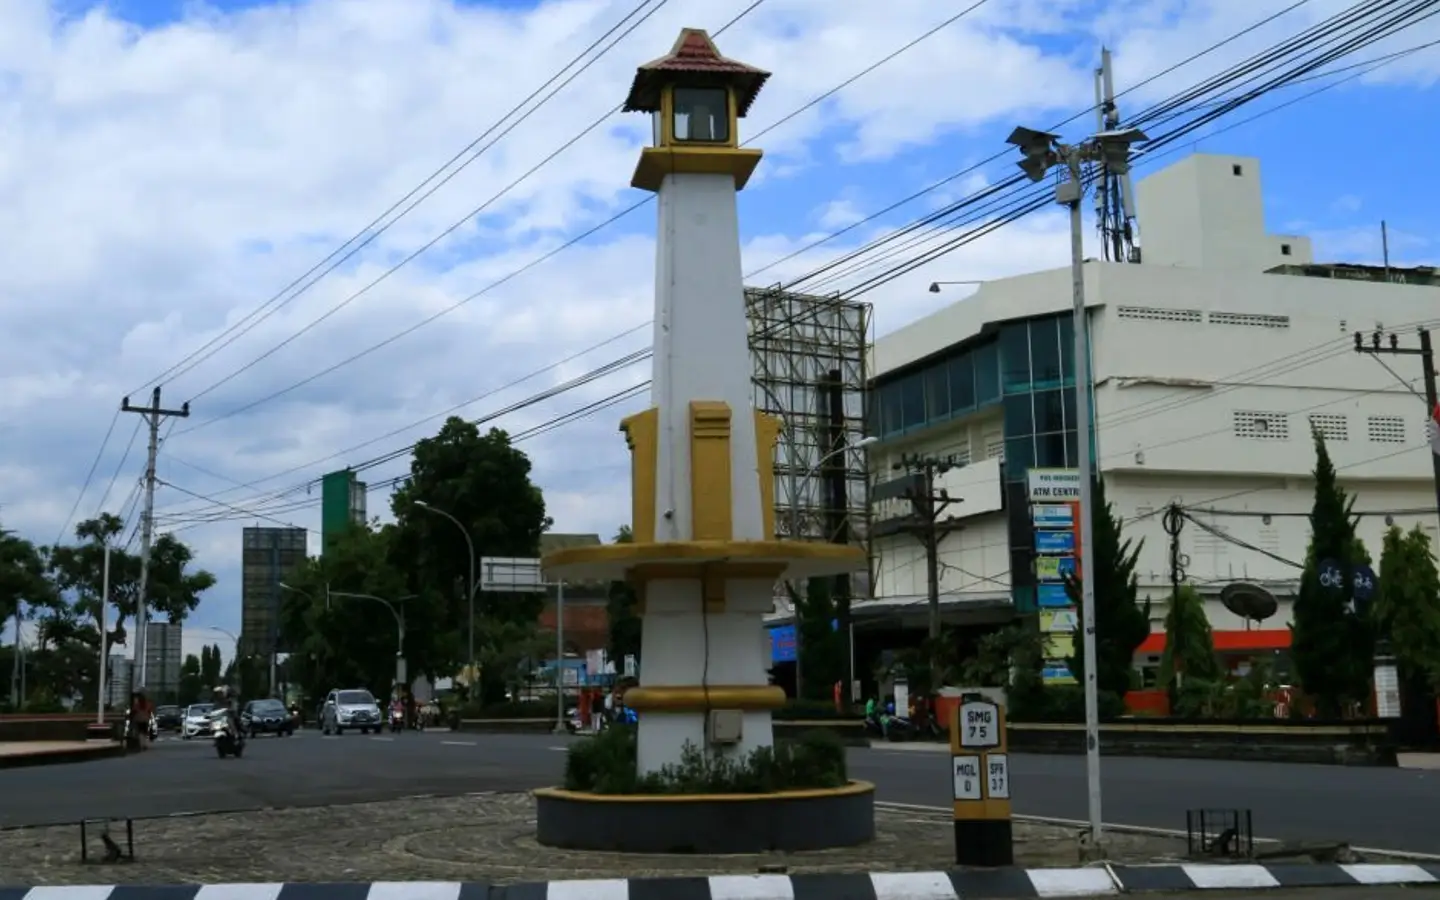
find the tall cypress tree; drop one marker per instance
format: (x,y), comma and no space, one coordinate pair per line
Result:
(1332,647)
(1122,622)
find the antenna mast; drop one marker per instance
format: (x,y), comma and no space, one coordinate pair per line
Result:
(1114,196)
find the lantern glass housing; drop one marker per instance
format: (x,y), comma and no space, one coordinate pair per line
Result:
(701,115)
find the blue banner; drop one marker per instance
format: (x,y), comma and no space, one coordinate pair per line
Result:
(1052,596)
(1052,516)
(782,644)
(1054,543)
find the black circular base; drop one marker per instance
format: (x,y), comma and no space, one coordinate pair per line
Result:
(708,823)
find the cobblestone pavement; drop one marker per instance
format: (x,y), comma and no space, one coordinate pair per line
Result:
(489,836)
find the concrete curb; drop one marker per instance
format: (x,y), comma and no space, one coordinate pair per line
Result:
(973,884)
(60,757)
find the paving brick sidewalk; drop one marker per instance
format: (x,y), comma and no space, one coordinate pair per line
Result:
(475,838)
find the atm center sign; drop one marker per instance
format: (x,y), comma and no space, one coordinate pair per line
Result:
(1053,485)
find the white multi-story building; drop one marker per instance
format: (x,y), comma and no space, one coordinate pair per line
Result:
(1213,360)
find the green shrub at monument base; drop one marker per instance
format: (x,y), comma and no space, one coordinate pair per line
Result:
(606,764)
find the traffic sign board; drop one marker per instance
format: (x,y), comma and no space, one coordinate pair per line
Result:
(979,724)
(968,779)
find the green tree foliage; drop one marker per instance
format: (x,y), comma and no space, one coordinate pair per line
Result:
(210,666)
(351,641)
(484,482)
(78,572)
(1122,622)
(59,588)
(620,608)
(1407,604)
(822,648)
(1189,643)
(1332,646)
(192,688)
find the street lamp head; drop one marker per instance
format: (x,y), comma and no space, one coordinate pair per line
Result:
(934,287)
(867,441)
(285,586)
(422,504)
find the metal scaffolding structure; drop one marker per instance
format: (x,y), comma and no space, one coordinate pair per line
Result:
(800,344)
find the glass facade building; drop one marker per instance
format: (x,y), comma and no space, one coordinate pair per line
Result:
(1026,368)
(1023,369)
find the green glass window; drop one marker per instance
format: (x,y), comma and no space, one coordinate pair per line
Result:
(1049,412)
(1050,451)
(1019,457)
(912,401)
(962,382)
(937,392)
(1018,415)
(987,374)
(1015,357)
(891,420)
(1045,353)
(1067,348)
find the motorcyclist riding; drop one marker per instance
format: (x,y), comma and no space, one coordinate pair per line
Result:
(225,703)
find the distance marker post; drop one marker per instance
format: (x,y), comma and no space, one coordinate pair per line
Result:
(980,763)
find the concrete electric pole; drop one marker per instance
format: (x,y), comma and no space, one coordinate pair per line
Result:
(153,415)
(1426,352)
(927,505)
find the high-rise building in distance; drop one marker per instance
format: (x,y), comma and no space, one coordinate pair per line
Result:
(268,555)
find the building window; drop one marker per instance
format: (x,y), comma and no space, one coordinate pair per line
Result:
(1072,450)
(1015,357)
(1045,369)
(962,383)
(987,374)
(1261,426)
(912,401)
(937,393)
(1072,418)
(1049,411)
(702,115)
(1050,451)
(1067,348)
(891,421)
(1387,429)
(1332,426)
(1237,169)
(1018,415)
(1019,457)
(1284,249)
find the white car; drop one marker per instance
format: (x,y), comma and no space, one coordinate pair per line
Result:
(350,709)
(195,721)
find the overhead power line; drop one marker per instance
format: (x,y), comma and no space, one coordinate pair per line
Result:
(1222,83)
(416,196)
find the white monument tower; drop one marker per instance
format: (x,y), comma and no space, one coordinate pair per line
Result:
(704,561)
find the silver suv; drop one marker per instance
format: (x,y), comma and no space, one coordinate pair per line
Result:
(350,709)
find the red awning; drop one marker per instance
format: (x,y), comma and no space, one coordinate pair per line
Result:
(1228,641)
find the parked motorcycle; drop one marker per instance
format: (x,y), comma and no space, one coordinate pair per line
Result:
(229,740)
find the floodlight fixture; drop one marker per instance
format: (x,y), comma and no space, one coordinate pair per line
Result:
(1121,136)
(1035,167)
(1032,142)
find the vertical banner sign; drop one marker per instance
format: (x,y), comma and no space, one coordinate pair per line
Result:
(980,764)
(1055,512)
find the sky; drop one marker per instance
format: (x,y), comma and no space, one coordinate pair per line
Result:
(168,167)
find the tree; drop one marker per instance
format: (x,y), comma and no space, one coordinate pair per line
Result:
(22,576)
(1407,605)
(1121,621)
(1331,645)
(620,609)
(78,572)
(210,667)
(351,641)
(1189,643)
(192,688)
(821,658)
(483,481)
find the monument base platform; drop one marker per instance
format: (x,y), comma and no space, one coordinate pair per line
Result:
(817,819)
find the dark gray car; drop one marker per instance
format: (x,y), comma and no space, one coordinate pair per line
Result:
(266,717)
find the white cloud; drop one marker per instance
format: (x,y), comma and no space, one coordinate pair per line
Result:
(155,186)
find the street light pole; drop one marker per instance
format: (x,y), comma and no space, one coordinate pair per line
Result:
(474,585)
(396,611)
(104,650)
(1041,152)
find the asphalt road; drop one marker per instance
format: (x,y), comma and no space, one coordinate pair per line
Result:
(1381,808)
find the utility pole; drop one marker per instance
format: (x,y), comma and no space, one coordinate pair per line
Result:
(1427,367)
(153,415)
(927,505)
(1174,523)
(1041,152)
